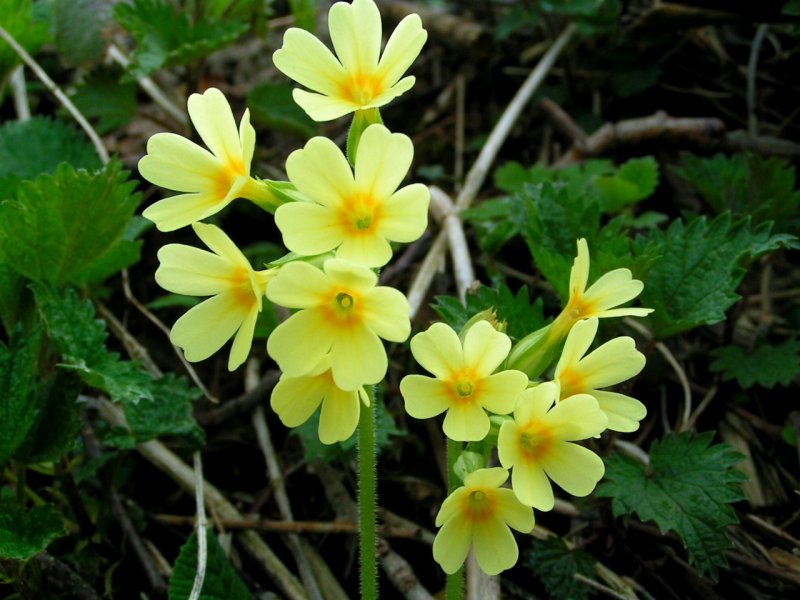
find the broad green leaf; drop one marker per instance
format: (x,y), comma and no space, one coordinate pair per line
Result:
(634,181)
(688,488)
(30,148)
(221,581)
(700,266)
(766,365)
(25,534)
(492,225)
(12,296)
(79,27)
(555,566)
(19,382)
(27,23)
(105,99)
(68,227)
(272,105)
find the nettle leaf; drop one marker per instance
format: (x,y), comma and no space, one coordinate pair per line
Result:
(107,100)
(70,227)
(25,534)
(39,145)
(166,37)
(221,581)
(688,488)
(556,566)
(520,315)
(766,365)
(272,105)
(746,184)
(12,296)
(700,266)
(79,26)
(491,223)
(27,23)
(19,381)
(635,180)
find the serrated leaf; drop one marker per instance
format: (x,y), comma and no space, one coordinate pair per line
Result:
(272,105)
(25,534)
(699,268)
(39,145)
(166,37)
(221,580)
(635,180)
(68,227)
(79,26)
(27,24)
(106,99)
(556,566)
(12,296)
(19,376)
(766,365)
(688,488)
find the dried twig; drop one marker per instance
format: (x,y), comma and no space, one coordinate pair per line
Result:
(202,542)
(442,205)
(18,89)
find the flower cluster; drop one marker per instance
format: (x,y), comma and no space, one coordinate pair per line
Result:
(338,219)
(478,374)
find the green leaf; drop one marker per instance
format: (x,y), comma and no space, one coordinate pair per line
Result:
(491,223)
(27,23)
(221,581)
(39,145)
(79,26)
(304,13)
(556,566)
(107,100)
(12,296)
(19,376)
(70,227)
(766,365)
(634,181)
(700,266)
(166,37)
(688,488)
(272,105)
(25,534)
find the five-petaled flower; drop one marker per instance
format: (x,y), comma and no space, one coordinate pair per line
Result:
(537,444)
(358,215)
(361,78)
(226,275)
(478,515)
(211,179)
(614,362)
(342,313)
(464,385)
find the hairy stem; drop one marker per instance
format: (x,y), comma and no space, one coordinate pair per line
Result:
(367,497)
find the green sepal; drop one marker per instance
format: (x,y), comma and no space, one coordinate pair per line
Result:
(361,120)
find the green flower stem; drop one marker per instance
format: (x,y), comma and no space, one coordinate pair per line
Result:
(455,582)
(367,497)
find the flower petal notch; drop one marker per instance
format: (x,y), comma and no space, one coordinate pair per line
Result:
(209,180)
(614,362)
(342,313)
(538,446)
(480,515)
(463,384)
(358,77)
(358,214)
(236,292)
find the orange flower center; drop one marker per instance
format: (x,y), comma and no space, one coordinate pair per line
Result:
(232,169)
(572,383)
(343,309)
(535,441)
(361,88)
(360,214)
(479,505)
(464,386)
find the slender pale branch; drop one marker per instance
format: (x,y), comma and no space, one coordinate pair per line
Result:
(202,549)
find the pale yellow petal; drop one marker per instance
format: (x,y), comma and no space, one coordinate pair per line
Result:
(213,119)
(402,49)
(323,108)
(495,547)
(383,161)
(451,506)
(298,344)
(306,60)
(579,340)
(404,217)
(350,276)
(356,34)
(612,289)
(623,412)
(531,486)
(357,357)
(175,163)
(576,418)
(192,271)
(486,478)
(398,89)
(508,444)
(368,249)
(386,313)
(513,512)
(243,340)
(294,399)
(438,350)
(452,544)
(533,403)
(308,228)
(321,172)
(247,140)
(485,348)
(579,274)
(339,416)
(466,422)
(299,285)
(179,211)
(205,328)
(614,362)
(623,312)
(218,241)
(573,468)
(499,392)
(424,397)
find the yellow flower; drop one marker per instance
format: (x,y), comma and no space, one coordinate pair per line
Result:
(211,179)
(614,362)
(537,445)
(236,290)
(356,78)
(478,515)
(464,385)
(358,215)
(342,313)
(295,399)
